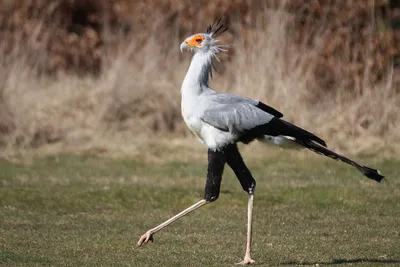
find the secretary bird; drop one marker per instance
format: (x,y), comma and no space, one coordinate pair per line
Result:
(221,120)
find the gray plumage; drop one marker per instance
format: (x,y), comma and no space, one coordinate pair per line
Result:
(232,113)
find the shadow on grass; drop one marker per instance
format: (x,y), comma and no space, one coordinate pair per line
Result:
(342,261)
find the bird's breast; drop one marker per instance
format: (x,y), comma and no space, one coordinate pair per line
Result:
(212,137)
(191,118)
(193,123)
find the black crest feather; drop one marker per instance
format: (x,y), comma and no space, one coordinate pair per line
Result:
(218,27)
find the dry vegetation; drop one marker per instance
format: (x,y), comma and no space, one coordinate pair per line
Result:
(77,73)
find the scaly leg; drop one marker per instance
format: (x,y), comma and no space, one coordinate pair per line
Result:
(248,183)
(216,162)
(247,257)
(148,236)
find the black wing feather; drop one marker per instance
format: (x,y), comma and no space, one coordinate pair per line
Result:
(269,109)
(277,127)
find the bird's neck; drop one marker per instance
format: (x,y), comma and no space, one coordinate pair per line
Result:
(196,79)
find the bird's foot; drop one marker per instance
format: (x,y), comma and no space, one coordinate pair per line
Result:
(246,260)
(148,236)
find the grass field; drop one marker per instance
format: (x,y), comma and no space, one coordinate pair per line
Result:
(86,210)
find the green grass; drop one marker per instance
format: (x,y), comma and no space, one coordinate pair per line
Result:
(77,210)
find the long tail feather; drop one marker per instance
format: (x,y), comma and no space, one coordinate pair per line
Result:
(368,172)
(278,127)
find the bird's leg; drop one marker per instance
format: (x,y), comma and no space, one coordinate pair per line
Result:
(216,162)
(235,161)
(148,236)
(247,257)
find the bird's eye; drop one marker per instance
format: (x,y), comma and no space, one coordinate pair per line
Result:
(198,40)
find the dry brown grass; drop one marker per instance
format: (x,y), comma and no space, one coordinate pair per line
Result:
(137,94)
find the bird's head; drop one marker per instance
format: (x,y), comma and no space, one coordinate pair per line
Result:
(196,42)
(206,42)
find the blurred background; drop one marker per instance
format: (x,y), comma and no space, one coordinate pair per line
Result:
(107,74)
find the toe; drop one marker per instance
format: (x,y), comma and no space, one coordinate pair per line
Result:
(140,242)
(246,261)
(145,238)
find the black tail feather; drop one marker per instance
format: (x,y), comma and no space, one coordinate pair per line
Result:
(300,133)
(368,172)
(373,174)
(277,127)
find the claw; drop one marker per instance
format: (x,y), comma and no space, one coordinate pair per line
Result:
(247,260)
(148,236)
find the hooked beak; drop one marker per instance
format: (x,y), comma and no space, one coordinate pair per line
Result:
(184,45)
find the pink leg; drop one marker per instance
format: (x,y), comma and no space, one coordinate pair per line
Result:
(148,236)
(247,258)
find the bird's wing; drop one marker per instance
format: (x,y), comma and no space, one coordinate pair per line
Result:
(236,114)
(249,119)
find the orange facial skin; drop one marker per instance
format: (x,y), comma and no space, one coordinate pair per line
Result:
(195,41)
